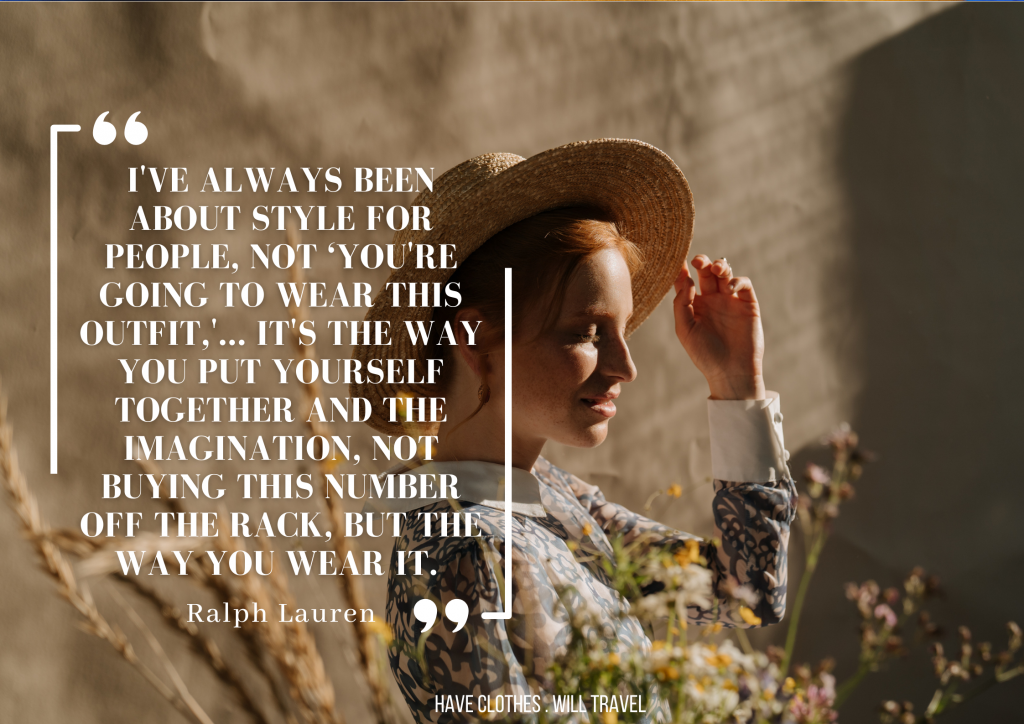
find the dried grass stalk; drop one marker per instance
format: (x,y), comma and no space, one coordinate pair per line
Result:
(289,643)
(201,571)
(202,645)
(163,658)
(53,562)
(352,588)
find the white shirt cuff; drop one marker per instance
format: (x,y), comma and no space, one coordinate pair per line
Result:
(746,440)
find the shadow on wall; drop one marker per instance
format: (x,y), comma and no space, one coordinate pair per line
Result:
(932,157)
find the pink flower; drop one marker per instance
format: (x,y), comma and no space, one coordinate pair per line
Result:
(882,611)
(818,474)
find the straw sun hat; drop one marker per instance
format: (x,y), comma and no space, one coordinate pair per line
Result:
(639,186)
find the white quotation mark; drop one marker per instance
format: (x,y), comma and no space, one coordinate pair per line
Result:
(135,132)
(425,611)
(103,130)
(457,612)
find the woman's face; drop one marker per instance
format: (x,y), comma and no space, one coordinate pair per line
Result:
(565,381)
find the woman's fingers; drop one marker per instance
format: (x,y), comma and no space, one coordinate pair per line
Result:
(716,276)
(686,291)
(706,274)
(742,288)
(683,279)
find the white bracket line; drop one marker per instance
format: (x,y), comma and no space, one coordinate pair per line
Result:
(54,130)
(507,613)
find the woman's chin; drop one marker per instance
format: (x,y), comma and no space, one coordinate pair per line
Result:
(585,435)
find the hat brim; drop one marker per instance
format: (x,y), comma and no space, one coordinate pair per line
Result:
(636,184)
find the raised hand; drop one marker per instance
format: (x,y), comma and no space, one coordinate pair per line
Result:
(721,329)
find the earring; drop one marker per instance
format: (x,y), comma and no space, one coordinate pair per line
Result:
(483,394)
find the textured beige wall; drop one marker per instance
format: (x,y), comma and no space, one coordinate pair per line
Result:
(828,147)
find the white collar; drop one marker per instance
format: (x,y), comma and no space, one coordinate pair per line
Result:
(476,482)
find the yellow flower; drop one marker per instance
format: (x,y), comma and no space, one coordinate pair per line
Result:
(698,687)
(690,555)
(381,629)
(788,685)
(716,627)
(610,717)
(718,660)
(747,615)
(668,672)
(571,545)
(674,490)
(587,529)
(614,659)
(768,695)
(730,686)
(658,645)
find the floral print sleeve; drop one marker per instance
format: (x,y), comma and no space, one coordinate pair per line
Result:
(747,553)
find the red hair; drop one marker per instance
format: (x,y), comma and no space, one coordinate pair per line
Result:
(543,251)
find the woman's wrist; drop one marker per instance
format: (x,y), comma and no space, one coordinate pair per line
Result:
(738,387)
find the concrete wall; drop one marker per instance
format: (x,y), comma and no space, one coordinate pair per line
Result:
(859,162)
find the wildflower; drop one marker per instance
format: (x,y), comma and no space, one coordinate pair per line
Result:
(718,660)
(789,685)
(610,717)
(817,474)
(587,529)
(816,705)
(842,438)
(743,594)
(884,613)
(614,659)
(748,616)
(693,550)
(667,672)
(382,629)
(1015,635)
(690,555)
(675,490)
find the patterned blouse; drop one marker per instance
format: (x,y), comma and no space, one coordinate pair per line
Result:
(555,545)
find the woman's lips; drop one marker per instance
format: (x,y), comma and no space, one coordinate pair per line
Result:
(604,406)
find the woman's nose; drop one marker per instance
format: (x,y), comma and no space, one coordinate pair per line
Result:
(617,361)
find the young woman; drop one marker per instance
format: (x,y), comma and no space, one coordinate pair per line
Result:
(596,233)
